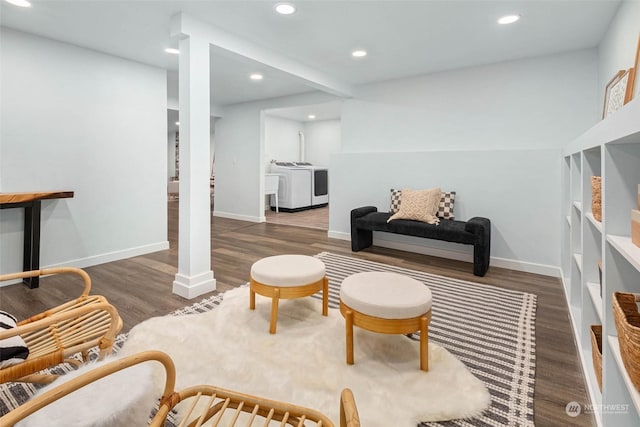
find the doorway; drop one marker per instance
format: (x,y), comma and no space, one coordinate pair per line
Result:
(298,143)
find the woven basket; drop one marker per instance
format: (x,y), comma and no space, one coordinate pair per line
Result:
(625,313)
(596,197)
(596,352)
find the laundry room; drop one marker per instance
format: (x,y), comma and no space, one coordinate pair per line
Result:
(298,143)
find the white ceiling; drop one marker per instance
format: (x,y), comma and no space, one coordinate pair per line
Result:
(324,111)
(403,38)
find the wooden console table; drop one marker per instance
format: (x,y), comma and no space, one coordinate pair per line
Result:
(31,202)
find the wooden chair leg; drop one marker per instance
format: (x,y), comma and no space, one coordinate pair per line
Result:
(424,344)
(349,335)
(274,310)
(325,296)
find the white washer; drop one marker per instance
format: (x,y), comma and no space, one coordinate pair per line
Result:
(294,188)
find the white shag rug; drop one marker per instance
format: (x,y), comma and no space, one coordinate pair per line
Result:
(304,362)
(125,399)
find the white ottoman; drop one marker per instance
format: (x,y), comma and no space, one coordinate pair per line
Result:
(389,303)
(286,277)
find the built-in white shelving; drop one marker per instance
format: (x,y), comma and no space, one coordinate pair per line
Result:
(594,293)
(597,224)
(633,393)
(627,249)
(578,259)
(611,149)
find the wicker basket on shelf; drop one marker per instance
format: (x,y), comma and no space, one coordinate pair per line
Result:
(596,352)
(596,197)
(627,318)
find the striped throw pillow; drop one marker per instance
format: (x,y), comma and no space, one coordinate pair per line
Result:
(13,350)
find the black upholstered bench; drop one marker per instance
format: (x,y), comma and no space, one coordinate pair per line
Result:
(476,232)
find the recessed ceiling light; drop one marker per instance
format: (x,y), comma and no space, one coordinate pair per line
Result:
(311,116)
(359,53)
(508,19)
(172,51)
(20,3)
(177,123)
(285,8)
(256,76)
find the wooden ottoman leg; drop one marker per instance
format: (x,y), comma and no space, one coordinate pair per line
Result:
(424,344)
(252,299)
(348,317)
(274,310)
(325,296)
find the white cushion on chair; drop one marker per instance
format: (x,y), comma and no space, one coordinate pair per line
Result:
(287,270)
(385,295)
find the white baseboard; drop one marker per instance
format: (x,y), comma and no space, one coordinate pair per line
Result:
(338,235)
(193,286)
(239,217)
(528,267)
(112,256)
(104,258)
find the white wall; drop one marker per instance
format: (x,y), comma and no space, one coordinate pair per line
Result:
(516,189)
(281,139)
(491,133)
(75,119)
(239,165)
(322,139)
(541,102)
(618,47)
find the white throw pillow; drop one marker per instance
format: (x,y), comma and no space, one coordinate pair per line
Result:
(419,205)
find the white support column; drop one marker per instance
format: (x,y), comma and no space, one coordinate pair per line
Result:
(194,276)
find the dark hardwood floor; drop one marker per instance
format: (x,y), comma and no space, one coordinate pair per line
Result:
(140,288)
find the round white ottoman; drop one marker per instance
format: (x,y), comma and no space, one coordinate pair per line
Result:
(285,277)
(389,303)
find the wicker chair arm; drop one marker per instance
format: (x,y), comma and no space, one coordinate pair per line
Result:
(348,411)
(45,322)
(49,271)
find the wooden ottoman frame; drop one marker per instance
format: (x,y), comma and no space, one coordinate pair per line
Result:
(387,326)
(276,293)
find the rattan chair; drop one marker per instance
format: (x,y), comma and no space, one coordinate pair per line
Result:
(212,403)
(55,335)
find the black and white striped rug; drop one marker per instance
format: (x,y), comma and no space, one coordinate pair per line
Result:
(491,330)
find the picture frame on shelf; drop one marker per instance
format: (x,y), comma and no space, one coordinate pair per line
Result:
(620,88)
(618,92)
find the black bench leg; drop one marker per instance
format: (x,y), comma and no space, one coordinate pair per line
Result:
(481,254)
(361,239)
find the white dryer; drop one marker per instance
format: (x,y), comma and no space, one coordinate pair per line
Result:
(294,188)
(319,184)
